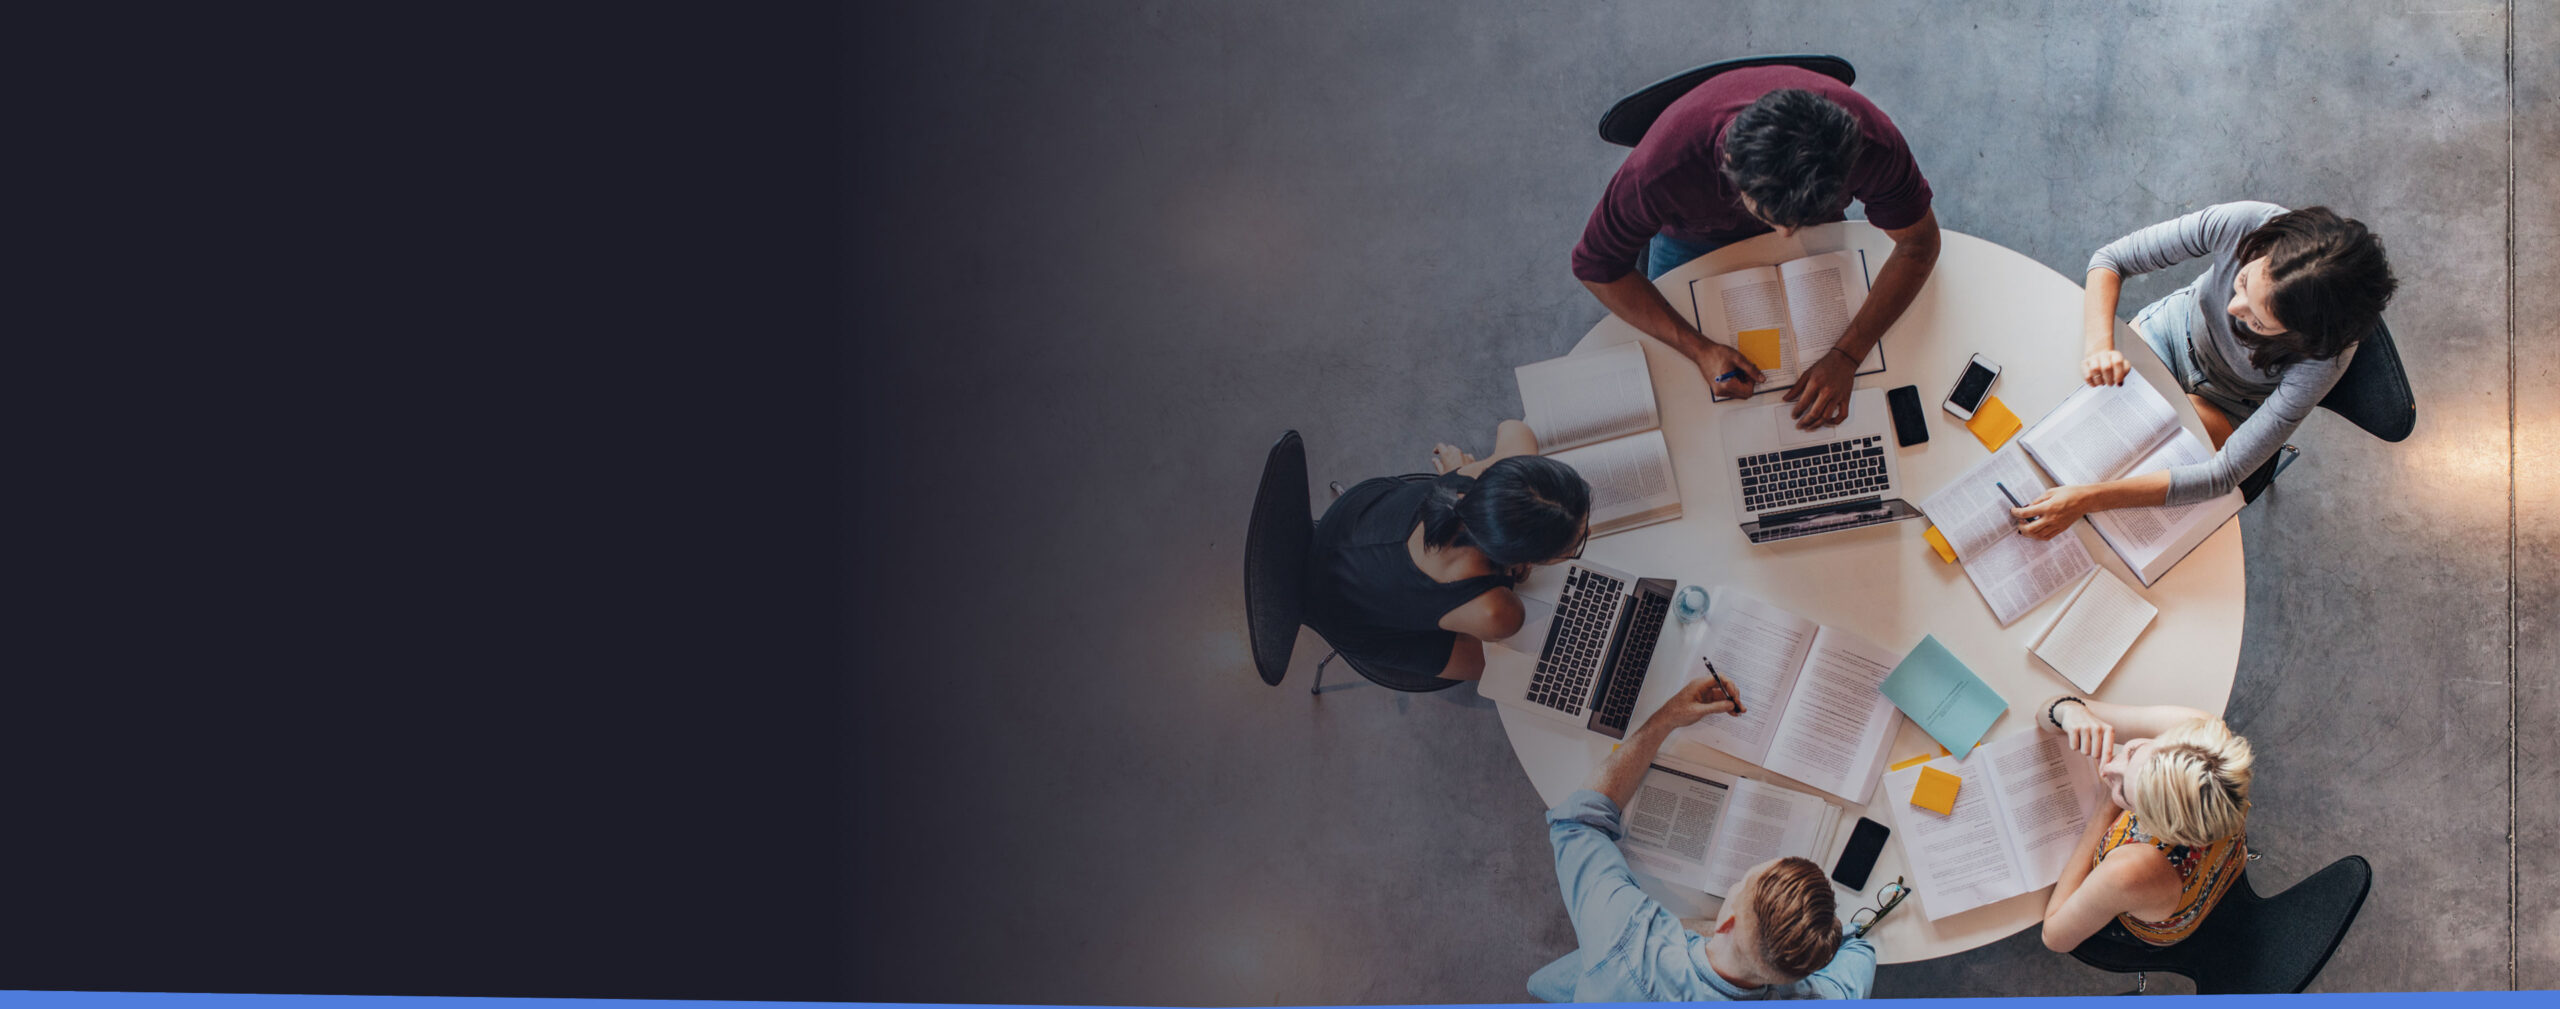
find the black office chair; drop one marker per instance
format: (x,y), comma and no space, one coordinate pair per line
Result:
(1627,121)
(1276,544)
(2250,944)
(2373,395)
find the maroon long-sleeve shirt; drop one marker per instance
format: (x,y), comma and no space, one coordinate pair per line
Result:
(1670,184)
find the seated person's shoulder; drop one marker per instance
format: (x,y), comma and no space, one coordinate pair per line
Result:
(1491,616)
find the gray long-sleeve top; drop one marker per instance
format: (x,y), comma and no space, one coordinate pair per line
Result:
(2285,396)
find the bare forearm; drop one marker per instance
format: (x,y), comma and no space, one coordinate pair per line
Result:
(1898,281)
(2140,721)
(1641,304)
(1618,775)
(2098,311)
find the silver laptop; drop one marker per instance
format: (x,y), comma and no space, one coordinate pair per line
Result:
(1788,483)
(1591,657)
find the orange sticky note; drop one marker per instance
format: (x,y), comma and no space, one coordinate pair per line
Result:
(1936,791)
(1993,424)
(1761,346)
(1921,759)
(1938,542)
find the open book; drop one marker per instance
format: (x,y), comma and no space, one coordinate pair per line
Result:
(2107,432)
(2019,813)
(1595,413)
(1706,830)
(1810,707)
(2012,570)
(2095,629)
(1785,317)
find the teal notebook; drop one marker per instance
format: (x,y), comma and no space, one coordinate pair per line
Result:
(1947,701)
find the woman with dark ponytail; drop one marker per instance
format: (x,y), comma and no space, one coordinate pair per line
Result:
(1414,576)
(2255,342)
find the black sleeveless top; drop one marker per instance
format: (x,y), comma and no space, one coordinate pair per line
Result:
(1364,594)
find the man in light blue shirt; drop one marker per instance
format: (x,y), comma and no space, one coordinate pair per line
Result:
(1777,936)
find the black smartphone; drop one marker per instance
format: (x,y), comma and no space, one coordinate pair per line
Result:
(1859,858)
(1910,426)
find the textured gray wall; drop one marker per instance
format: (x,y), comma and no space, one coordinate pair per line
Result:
(1112,251)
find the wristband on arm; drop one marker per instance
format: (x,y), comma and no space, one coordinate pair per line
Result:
(2051,710)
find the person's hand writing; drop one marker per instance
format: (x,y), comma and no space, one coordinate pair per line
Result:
(1821,394)
(1718,360)
(2105,367)
(1702,697)
(2089,734)
(2052,512)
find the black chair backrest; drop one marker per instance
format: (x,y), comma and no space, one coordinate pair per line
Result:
(2251,944)
(2374,393)
(1626,122)
(1275,557)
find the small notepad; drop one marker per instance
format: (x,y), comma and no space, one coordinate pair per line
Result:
(1936,791)
(1761,346)
(1993,423)
(2096,628)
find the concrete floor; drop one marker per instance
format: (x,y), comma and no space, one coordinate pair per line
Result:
(1112,250)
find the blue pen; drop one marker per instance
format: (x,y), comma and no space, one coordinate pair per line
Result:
(1730,375)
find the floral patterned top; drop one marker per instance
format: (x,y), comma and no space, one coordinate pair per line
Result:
(2205,873)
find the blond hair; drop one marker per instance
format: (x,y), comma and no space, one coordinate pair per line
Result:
(2195,788)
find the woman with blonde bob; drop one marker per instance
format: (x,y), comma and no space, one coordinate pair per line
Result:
(2173,834)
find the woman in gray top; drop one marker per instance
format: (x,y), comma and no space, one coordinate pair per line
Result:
(2255,342)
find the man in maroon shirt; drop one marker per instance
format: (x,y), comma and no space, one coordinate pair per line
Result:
(1746,152)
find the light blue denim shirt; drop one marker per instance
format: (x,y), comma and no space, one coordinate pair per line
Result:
(1635,950)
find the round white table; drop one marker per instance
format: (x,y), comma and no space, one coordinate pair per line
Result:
(1884,582)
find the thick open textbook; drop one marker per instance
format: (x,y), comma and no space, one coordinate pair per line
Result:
(2012,570)
(1705,830)
(1595,413)
(1785,317)
(2019,813)
(2107,432)
(1811,710)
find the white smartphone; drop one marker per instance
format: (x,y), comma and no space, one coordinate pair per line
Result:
(1967,396)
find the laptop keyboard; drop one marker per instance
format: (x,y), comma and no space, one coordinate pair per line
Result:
(1643,630)
(1812,474)
(1577,637)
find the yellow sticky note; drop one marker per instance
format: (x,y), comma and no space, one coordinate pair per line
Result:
(1918,759)
(1761,346)
(1938,542)
(1936,791)
(1993,423)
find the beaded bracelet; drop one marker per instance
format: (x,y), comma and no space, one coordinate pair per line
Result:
(2057,706)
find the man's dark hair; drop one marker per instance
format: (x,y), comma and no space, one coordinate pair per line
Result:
(2331,280)
(1790,153)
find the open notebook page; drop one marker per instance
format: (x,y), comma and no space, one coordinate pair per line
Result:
(1958,861)
(1838,724)
(2014,572)
(1823,294)
(2100,431)
(1761,822)
(1631,480)
(2095,629)
(2047,792)
(1585,398)
(1759,649)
